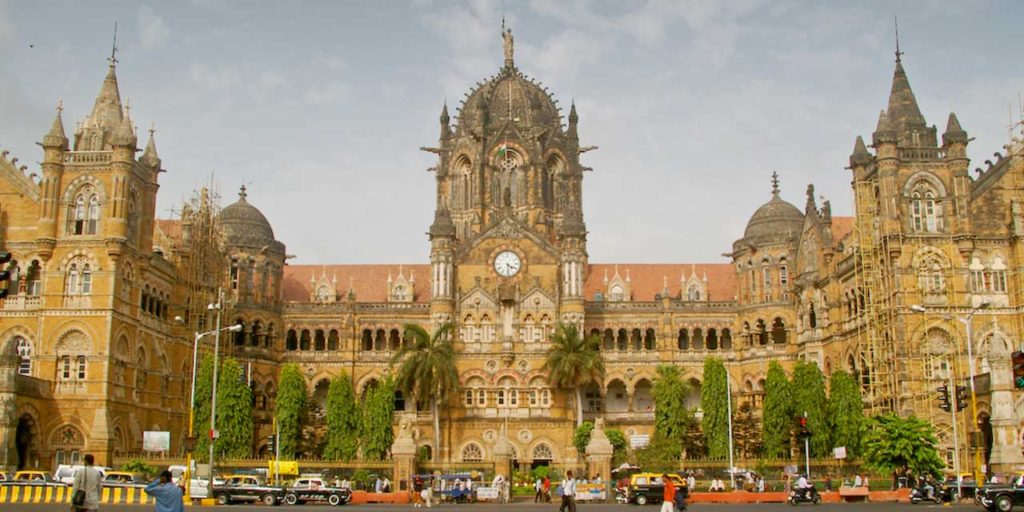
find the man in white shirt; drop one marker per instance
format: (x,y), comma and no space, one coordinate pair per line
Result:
(89,480)
(568,493)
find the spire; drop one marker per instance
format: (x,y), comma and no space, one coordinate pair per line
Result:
(55,138)
(443,225)
(884,130)
(107,110)
(446,129)
(573,120)
(954,133)
(908,122)
(444,113)
(860,155)
(775,184)
(124,135)
(150,156)
(811,205)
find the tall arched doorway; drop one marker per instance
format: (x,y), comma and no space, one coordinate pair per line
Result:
(25,440)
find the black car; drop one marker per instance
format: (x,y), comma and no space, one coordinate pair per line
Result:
(246,488)
(968,488)
(315,490)
(1002,497)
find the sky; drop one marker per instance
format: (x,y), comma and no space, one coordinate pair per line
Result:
(320,107)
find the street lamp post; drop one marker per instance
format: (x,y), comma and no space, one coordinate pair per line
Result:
(728,405)
(213,401)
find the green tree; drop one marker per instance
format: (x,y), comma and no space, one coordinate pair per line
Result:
(713,401)
(201,407)
(427,371)
(845,412)
(581,437)
(672,418)
(342,420)
(746,430)
(289,409)
(894,444)
(234,411)
(660,455)
(378,408)
(777,412)
(809,397)
(573,361)
(139,466)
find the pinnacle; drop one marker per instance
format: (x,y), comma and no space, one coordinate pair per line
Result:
(56,137)
(107,111)
(860,153)
(150,155)
(953,125)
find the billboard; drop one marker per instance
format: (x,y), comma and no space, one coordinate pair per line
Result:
(156,441)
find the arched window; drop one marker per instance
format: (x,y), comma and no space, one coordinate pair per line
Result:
(778,331)
(925,210)
(766,279)
(71,281)
(508,395)
(812,315)
(609,339)
(650,340)
(683,342)
(233,274)
(693,292)
(24,349)
(698,339)
(712,340)
(616,293)
(84,212)
(542,452)
(726,339)
(472,453)
(291,341)
(332,340)
(929,276)
(33,279)
(474,389)
(367,340)
(761,333)
(783,275)
(319,341)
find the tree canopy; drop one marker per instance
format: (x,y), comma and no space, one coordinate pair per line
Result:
(777,412)
(342,420)
(713,401)
(894,443)
(289,409)
(809,396)
(672,418)
(378,408)
(846,413)
(234,411)
(204,394)
(573,361)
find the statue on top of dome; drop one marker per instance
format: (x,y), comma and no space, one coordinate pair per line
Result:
(507,42)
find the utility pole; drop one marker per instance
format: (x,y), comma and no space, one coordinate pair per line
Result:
(216,364)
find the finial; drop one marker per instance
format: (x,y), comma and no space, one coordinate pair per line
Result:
(60,105)
(152,128)
(241,193)
(896,24)
(775,183)
(127,107)
(113,50)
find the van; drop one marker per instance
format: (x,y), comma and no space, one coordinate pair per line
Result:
(65,473)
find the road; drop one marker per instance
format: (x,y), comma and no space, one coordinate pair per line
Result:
(530,507)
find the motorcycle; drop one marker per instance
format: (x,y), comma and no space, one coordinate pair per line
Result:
(917,495)
(620,496)
(809,495)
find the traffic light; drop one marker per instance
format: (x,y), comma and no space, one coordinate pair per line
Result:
(1018,369)
(272,443)
(801,427)
(5,258)
(943,398)
(961,398)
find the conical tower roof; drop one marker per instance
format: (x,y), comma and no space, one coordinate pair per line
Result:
(107,111)
(56,137)
(907,121)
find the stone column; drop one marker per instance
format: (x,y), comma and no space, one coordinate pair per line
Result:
(403,455)
(599,453)
(1006,444)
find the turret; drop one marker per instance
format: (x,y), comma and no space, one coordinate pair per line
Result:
(446,127)
(909,125)
(149,157)
(573,120)
(55,145)
(955,140)
(860,156)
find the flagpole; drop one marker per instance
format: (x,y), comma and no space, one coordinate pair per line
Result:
(728,403)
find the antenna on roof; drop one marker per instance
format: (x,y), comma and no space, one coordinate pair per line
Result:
(896,24)
(113,50)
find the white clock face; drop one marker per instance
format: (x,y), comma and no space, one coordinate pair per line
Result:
(507,264)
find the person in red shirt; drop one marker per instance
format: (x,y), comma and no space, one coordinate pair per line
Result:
(669,499)
(547,489)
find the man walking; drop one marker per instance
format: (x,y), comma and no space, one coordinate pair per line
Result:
(167,495)
(568,493)
(669,497)
(89,481)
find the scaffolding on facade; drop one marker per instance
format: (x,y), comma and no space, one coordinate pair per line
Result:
(200,255)
(874,276)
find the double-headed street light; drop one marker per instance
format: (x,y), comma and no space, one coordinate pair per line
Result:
(966,320)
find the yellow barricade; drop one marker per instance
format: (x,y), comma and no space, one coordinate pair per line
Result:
(61,494)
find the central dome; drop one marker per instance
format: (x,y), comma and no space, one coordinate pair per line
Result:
(509,95)
(244,225)
(776,220)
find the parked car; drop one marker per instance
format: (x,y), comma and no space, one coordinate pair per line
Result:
(247,488)
(4,476)
(968,488)
(65,473)
(33,477)
(123,479)
(315,490)
(1002,497)
(647,488)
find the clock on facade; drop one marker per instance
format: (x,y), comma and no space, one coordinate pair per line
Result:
(507,264)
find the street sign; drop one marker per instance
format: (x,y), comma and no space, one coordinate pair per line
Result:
(214,434)
(839,452)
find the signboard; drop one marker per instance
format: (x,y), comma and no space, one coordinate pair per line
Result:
(839,452)
(156,441)
(639,441)
(590,492)
(285,467)
(486,493)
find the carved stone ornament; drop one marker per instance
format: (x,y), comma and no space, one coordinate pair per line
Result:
(491,366)
(525,435)
(490,435)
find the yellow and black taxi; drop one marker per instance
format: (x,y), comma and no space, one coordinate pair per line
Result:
(246,488)
(647,488)
(32,477)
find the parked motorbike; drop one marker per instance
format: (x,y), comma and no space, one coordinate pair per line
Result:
(809,495)
(917,495)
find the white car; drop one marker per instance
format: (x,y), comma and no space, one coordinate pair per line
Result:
(65,473)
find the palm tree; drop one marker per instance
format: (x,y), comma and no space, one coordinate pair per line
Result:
(427,369)
(573,361)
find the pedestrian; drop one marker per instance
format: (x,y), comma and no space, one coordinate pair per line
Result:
(828,483)
(691,482)
(568,493)
(547,489)
(858,481)
(378,485)
(89,481)
(538,490)
(669,497)
(417,492)
(386,485)
(167,495)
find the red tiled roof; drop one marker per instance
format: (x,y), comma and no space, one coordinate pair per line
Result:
(647,280)
(370,282)
(841,227)
(171,228)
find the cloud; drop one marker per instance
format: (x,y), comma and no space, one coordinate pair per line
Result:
(153,30)
(213,79)
(328,93)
